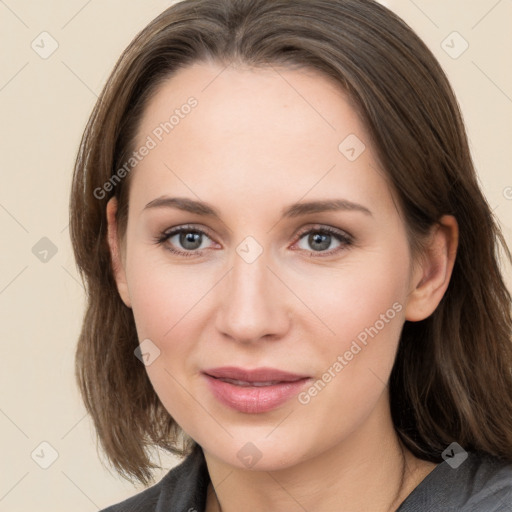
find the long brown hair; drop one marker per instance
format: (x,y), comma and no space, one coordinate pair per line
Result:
(452,379)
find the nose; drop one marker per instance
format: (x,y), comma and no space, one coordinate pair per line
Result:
(254,304)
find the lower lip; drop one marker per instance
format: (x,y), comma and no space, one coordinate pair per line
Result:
(252,399)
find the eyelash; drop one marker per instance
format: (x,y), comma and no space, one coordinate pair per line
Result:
(343,238)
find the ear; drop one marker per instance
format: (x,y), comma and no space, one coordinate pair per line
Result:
(115,252)
(432,273)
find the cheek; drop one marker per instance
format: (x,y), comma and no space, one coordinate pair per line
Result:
(166,302)
(365,309)
(363,305)
(349,300)
(162,293)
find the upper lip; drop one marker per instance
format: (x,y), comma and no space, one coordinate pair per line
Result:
(255,375)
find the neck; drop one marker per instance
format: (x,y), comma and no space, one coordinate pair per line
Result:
(368,470)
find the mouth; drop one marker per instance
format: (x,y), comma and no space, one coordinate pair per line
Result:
(257,375)
(246,384)
(253,391)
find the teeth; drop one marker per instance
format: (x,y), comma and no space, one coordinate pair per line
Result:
(248,384)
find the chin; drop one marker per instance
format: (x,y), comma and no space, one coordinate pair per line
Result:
(255,453)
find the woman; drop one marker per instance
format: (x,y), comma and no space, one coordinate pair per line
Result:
(292,273)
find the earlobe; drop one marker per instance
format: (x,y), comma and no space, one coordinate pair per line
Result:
(432,275)
(115,252)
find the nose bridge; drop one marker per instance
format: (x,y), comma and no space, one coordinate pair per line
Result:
(249,277)
(251,305)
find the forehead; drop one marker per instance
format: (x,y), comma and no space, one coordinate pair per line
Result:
(240,99)
(260,130)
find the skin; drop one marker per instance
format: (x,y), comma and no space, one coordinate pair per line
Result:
(258,141)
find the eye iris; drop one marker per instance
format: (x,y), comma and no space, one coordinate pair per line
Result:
(190,237)
(323,240)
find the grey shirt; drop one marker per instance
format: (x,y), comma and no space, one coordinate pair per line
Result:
(480,484)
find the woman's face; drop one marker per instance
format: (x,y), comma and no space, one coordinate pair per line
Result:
(303,268)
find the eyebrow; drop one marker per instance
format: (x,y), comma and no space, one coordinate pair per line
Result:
(291,211)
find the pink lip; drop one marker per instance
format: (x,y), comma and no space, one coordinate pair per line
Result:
(252,398)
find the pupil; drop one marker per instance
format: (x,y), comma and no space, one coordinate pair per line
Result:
(322,240)
(189,238)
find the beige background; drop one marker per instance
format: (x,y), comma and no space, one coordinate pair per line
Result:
(44,104)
